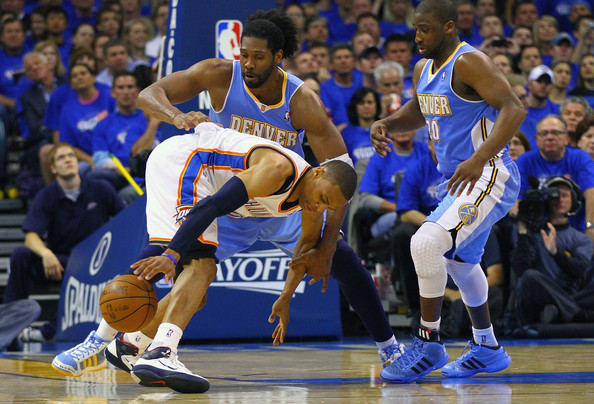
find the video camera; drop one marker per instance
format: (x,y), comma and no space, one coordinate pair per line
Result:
(534,207)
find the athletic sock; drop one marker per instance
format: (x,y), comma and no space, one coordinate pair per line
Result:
(387,343)
(168,335)
(429,330)
(105,331)
(138,339)
(485,337)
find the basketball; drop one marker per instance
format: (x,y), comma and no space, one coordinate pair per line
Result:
(127,303)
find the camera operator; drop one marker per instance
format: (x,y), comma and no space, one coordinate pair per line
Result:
(552,264)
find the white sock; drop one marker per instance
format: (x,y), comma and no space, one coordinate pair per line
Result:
(387,343)
(432,325)
(485,337)
(105,331)
(138,339)
(167,335)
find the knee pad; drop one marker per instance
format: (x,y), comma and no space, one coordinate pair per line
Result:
(427,248)
(471,281)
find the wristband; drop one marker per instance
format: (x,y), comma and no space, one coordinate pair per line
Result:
(170,257)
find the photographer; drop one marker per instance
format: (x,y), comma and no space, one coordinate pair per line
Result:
(552,259)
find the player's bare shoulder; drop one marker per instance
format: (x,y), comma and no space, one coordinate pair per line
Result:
(418,69)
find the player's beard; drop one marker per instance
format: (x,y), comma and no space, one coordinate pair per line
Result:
(260,78)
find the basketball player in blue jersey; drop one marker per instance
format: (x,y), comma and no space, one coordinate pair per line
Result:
(471,113)
(253,95)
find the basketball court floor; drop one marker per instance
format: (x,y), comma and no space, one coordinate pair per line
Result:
(542,371)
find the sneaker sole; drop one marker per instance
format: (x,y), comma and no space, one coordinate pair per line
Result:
(179,382)
(97,368)
(408,379)
(496,367)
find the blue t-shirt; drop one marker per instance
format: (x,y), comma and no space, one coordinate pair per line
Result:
(418,189)
(535,115)
(78,121)
(117,134)
(358,143)
(381,173)
(11,74)
(67,223)
(575,164)
(61,96)
(336,97)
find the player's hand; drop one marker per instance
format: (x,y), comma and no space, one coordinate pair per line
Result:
(151,266)
(190,120)
(51,266)
(318,263)
(467,174)
(380,138)
(280,308)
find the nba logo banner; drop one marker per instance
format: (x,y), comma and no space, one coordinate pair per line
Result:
(228,39)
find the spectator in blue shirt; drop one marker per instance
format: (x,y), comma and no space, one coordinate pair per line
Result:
(540,85)
(384,174)
(337,91)
(553,157)
(118,133)
(80,116)
(65,213)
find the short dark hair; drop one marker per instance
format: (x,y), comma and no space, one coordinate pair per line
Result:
(444,10)
(276,28)
(339,46)
(55,10)
(342,174)
(124,73)
(113,43)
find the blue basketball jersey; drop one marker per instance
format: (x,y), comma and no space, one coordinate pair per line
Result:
(243,112)
(456,125)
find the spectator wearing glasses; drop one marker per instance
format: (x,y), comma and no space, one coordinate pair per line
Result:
(553,157)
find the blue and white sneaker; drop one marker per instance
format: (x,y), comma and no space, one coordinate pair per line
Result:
(122,354)
(89,355)
(390,354)
(422,358)
(160,367)
(478,359)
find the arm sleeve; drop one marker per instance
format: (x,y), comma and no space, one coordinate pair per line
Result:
(370,201)
(231,196)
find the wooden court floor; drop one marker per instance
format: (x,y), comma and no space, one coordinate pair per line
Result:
(542,371)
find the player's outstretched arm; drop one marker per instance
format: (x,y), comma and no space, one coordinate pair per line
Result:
(405,119)
(158,99)
(280,308)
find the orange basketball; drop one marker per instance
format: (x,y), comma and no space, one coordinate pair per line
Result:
(127,303)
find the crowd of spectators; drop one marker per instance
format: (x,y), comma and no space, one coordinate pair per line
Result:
(70,71)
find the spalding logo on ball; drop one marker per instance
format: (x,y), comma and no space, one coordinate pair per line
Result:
(128,304)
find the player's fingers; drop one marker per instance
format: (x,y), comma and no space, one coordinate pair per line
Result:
(462,187)
(471,186)
(314,280)
(324,284)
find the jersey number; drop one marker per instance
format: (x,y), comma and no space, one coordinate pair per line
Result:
(433,127)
